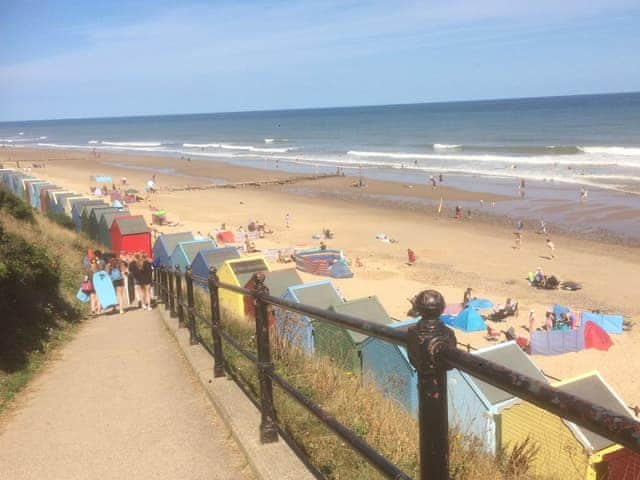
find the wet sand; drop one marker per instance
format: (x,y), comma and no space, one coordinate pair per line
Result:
(452,254)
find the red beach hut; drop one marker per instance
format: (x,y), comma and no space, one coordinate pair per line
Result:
(130,233)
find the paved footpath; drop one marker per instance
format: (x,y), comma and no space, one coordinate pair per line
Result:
(120,402)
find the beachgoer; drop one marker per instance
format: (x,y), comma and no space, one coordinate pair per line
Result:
(440,178)
(323,246)
(142,278)
(583,194)
(520,225)
(551,247)
(467,296)
(411,256)
(543,227)
(198,236)
(458,211)
(118,282)
(549,321)
(287,220)
(532,320)
(518,244)
(539,276)
(123,180)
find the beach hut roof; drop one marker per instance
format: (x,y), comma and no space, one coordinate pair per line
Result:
(99,212)
(278,281)
(170,240)
(319,294)
(244,268)
(591,386)
(214,257)
(88,207)
(367,308)
(108,217)
(132,224)
(192,247)
(510,355)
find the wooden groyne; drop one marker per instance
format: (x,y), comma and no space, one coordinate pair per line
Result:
(257,183)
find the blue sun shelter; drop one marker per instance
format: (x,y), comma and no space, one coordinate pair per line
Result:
(469,320)
(388,366)
(342,345)
(185,252)
(165,244)
(296,328)
(475,407)
(212,257)
(609,323)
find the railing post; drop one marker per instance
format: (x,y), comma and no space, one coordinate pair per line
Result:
(218,365)
(425,341)
(191,308)
(172,298)
(268,430)
(181,322)
(165,287)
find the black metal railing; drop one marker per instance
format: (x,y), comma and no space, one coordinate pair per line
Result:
(432,350)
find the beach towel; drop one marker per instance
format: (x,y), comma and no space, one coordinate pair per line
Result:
(609,323)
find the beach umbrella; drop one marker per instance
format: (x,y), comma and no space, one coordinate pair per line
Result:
(480,304)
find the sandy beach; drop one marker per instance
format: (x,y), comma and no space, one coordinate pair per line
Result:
(451,254)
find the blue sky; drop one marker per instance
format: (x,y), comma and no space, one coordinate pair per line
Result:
(77,59)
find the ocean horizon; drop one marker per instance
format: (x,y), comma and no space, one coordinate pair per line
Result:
(589,141)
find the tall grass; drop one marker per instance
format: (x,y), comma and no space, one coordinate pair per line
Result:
(358,404)
(41,268)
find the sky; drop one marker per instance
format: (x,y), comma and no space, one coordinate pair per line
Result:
(76,59)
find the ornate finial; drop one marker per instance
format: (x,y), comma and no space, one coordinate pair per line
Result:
(258,280)
(427,304)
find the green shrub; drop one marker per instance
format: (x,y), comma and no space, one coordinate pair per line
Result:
(62,220)
(15,206)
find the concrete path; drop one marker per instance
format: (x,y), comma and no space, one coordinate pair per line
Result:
(119,402)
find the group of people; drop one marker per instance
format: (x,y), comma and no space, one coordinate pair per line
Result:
(130,275)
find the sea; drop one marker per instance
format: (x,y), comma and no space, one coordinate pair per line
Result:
(558,147)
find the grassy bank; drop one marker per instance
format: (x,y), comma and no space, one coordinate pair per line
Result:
(40,270)
(362,407)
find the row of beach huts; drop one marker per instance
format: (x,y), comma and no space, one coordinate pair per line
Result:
(498,419)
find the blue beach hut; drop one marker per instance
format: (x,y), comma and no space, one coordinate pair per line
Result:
(298,329)
(185,252)
(388,366)
(213,257)
(34,192)
(165,244)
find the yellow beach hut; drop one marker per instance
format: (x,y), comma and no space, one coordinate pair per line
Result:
(237,272)
(566,450)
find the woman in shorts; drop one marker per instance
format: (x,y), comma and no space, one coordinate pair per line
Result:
(115,272)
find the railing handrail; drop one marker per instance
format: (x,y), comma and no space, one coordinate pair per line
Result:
(432,351)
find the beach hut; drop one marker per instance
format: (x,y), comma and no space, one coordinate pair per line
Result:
(76,211)
(475,407)
(344,346)
(35,193)
(58,200)
(388,365)
(327,263)
(277,281)
(85,219)
(46,198)
(104,225)
(212,257)
(237,272)
(185,252)
(27,188)
(298,329)
(567,451)
(18,184)
(70,201)
(94,220)
(130,234)
(165,244)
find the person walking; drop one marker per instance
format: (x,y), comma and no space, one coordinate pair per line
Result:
(518,240)
(532,320)
(115,272)
(552,248)
(144,277)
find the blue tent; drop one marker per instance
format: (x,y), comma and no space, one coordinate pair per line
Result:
(609,323)
(480,303)
(340,270)
(468,320)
